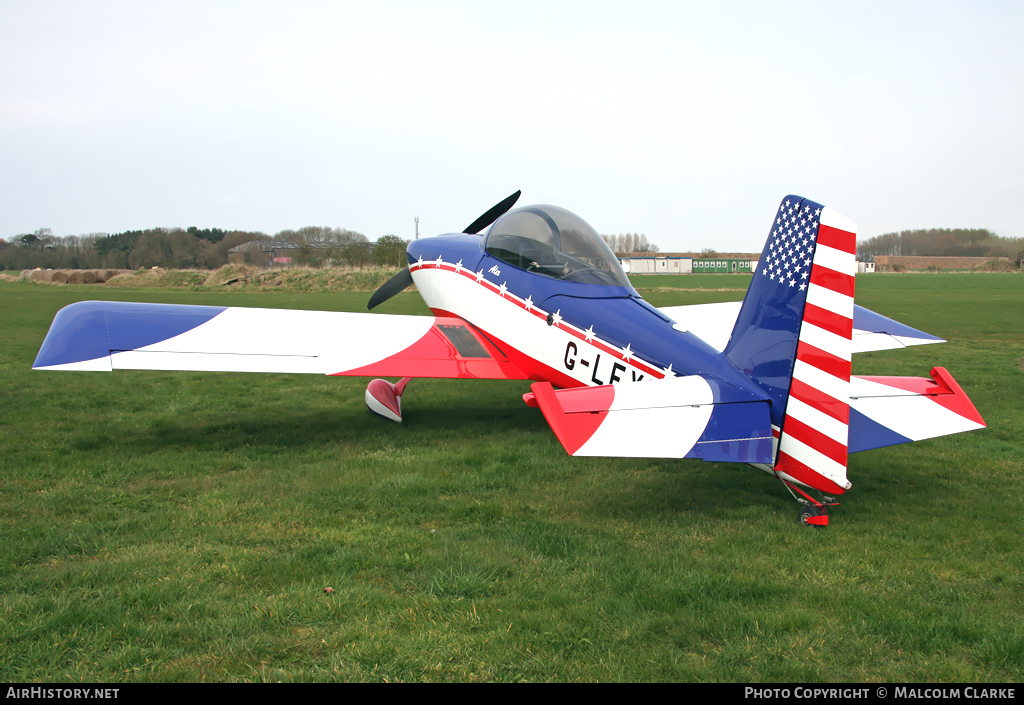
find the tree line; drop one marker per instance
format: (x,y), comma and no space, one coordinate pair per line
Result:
(943,242)
(195,248)
(190,248)
(178,248)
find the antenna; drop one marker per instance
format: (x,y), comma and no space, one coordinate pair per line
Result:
(417,219)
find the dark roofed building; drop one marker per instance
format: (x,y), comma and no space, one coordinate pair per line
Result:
(276,253)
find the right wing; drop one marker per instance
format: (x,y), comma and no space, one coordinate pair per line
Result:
(107,335)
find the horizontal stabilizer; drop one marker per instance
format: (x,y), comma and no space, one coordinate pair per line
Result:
(873,331)
(886,411)
(713,323)
(679,417)
(106,335)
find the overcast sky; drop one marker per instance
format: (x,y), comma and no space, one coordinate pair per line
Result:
(683,121)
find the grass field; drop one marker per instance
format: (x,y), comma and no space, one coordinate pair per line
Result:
(183,526)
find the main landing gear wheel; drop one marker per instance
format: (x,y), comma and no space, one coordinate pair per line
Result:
(385,399)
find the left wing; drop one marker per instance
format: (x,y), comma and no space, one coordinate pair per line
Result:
(713,323)
(106,335)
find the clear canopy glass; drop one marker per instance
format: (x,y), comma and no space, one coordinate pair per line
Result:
(553,242)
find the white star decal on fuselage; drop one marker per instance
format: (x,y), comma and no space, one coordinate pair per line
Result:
(594,365)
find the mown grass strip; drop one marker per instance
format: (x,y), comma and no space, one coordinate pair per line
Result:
(176,526)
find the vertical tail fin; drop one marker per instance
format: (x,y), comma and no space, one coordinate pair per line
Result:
(793,336)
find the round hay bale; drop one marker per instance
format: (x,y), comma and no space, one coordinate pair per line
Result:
(42,275)
(73,278)
(59,277)
(89,277)
(108,274)
(27,273)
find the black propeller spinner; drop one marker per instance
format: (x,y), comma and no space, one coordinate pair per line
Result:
(403,279)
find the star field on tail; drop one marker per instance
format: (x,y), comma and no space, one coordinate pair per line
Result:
(791,244)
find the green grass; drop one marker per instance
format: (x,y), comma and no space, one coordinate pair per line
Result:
(182,526)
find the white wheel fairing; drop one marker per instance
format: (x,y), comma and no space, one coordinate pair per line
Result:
(382,410)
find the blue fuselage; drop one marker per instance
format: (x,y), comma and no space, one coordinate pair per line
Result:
(616,315)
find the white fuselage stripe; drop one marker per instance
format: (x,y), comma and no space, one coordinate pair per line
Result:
(801,411)
(833,219)
(836,388)
(510,319)
(816,461)
(826,340)
(822,297)
(836,260)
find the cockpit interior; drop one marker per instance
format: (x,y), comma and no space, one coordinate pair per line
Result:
(553,242)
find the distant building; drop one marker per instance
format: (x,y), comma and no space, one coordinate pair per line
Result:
(263,253)
(688,263)
(275,253)
(652,263)
(896,263)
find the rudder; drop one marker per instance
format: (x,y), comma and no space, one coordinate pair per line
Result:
(793,337)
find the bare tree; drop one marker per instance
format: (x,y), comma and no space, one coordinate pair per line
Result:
(629,242)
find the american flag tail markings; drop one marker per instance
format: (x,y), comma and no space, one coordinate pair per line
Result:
(793,337)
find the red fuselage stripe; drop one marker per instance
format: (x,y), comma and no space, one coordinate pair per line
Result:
(826,320)
(831,279)
(837,239)
(568,328)
(824,361)
(808,476)
(816,440)
(839,410)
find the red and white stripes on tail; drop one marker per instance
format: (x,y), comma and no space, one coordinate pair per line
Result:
(815,430)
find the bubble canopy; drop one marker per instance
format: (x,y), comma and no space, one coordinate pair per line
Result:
(553,242)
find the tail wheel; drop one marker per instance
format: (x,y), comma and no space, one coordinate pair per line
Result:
(812,512)
(811,515)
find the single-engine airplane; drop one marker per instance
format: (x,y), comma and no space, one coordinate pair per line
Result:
(541,297)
